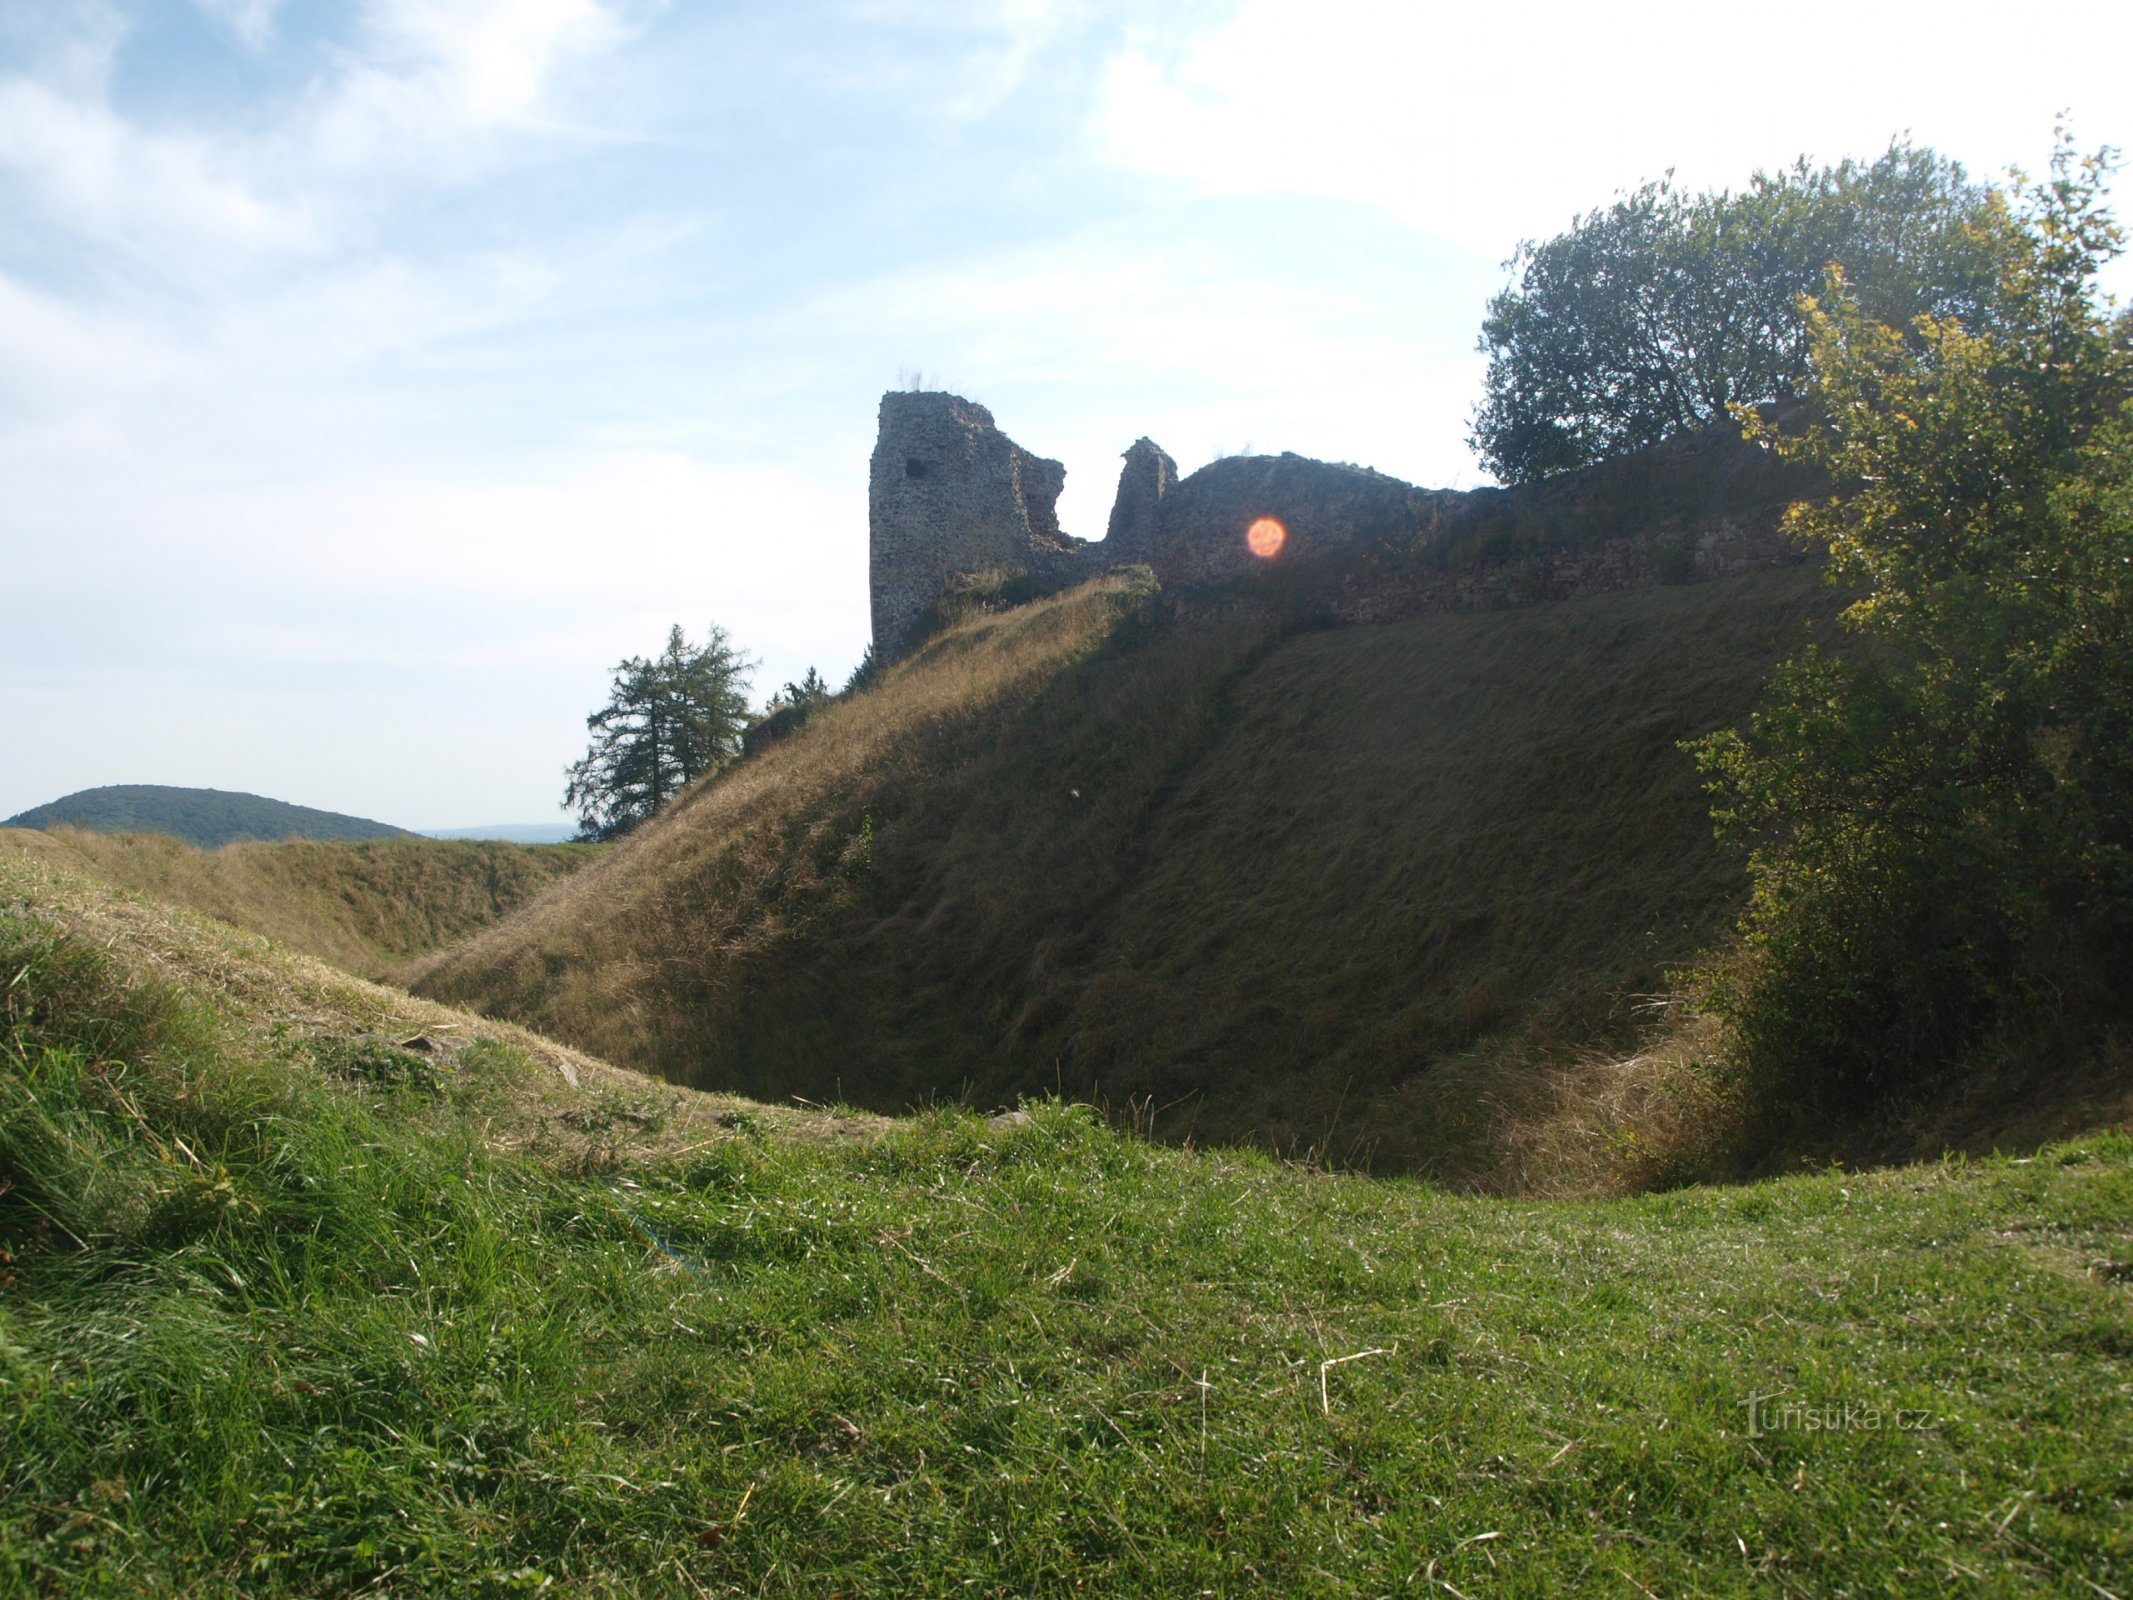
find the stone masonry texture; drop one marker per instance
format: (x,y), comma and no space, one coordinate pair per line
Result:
(956,503)
(950,497)
(1149,475)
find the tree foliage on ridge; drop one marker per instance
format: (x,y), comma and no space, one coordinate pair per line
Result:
(1659,313)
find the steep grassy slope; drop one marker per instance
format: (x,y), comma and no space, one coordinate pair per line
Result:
(287,1309)
(269,1008)
(772,853)
(1280,884)
(205,817)
(366,907)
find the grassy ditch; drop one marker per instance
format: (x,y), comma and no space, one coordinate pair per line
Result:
(368,907)
(1319,889)
(284,1316)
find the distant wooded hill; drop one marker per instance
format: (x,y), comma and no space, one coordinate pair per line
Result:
(205,817)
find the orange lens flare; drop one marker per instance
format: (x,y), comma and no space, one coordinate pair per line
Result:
(1266,537)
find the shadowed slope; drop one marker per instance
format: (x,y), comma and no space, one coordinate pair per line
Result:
(652,948)
(1280,884)
(1418,839)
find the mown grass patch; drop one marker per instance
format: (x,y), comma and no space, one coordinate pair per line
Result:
(1027,1357)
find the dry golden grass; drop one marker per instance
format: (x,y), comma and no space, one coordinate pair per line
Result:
(1594,1125)
(565,1105)
(1418,840)
(1574,1124)
(1355,894)
(1385,897)
(368,907)
(633,954)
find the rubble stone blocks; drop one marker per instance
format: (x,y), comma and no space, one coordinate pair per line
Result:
(1201,526)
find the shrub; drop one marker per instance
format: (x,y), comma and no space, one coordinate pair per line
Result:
(1944,818)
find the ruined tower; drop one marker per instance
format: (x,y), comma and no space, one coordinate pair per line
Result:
(958,506)
(1149,475)
(955,503)
(950,496)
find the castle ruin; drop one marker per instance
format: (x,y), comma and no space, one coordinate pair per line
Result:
(955,503)
(950,497)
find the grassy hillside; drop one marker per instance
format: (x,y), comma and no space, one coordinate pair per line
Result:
(205,817)
(289,1309)
(511,832)
(772,851)
(368,908)
(1294,887)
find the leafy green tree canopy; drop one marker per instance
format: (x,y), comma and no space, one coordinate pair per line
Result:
(1657,314)
(1944,816)
(669,719)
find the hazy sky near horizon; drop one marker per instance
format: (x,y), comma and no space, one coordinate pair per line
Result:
(375,374)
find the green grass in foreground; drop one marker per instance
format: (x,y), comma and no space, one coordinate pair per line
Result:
(287,1325)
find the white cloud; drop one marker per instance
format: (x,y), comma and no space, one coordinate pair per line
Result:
(251,21)
(487,63)
(428,93)
(229,271)
(423,646)
(56,359)
(978,52)
(167,199)
(1015,34)
(617,533)
(1088,341)
(262,437)
(1484,126)
(359,387)
(327,567)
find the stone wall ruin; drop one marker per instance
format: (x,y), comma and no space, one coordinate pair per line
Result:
(950,497)
(1149,475)
(955,503)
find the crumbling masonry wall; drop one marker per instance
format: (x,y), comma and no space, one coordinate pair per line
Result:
(1324,508)
(952,500)
(1149,475)
(950,496)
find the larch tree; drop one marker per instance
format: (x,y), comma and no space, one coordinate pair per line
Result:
(669,719)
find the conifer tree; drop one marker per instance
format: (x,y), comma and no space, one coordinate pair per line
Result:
(669,719)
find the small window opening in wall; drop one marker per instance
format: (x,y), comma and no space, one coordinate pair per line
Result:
(913,467)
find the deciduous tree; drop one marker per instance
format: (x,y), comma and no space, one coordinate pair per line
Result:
(1944,816)
(1657,314)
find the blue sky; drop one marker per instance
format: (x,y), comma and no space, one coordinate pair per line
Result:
(373,375)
